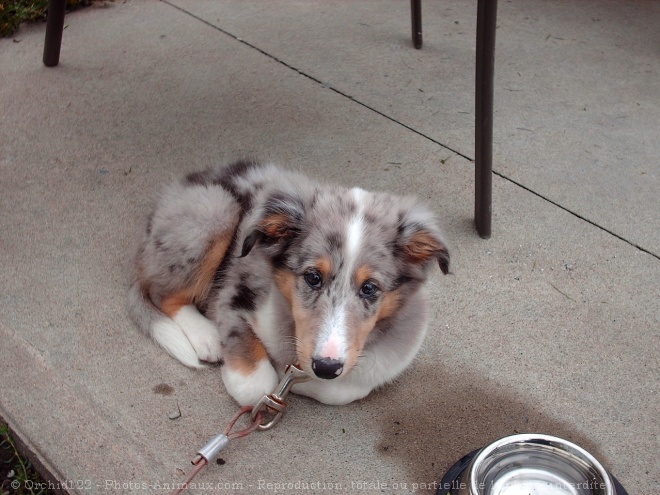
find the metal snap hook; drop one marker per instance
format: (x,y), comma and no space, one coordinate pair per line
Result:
(274,403)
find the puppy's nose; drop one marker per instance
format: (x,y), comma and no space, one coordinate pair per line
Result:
(327,368)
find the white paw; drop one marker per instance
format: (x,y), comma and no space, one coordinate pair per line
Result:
(201,332)
(169,335)
(247,390)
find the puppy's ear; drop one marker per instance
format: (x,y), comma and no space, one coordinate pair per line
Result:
(278,221)
(420,239)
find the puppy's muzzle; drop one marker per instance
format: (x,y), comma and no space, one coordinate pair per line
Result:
(327,368)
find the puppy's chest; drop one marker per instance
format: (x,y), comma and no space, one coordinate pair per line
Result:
(273,324)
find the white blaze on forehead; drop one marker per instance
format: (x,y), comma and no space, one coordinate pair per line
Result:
(355,228)
(333,335)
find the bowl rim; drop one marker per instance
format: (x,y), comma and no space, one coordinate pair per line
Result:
(531,438)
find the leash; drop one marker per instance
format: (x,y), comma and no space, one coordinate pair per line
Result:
(271,408)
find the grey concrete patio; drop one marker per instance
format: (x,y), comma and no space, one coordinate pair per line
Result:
(552,325)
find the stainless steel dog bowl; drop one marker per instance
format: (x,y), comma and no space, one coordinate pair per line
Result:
(529,464)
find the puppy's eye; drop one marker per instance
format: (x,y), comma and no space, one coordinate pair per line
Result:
(313,279)
(368,289)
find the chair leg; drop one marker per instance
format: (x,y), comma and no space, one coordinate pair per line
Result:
(54,28)
(416,14)
(486,24)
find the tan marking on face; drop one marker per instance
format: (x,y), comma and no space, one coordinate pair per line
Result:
(248,356)
(391,302)
(304,335)
(362,274)
(362,330)
(324,265)
(286,283)
(421,247)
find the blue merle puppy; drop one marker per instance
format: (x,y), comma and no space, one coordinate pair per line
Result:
(256,267)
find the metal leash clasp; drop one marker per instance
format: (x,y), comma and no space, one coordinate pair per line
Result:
(274,403)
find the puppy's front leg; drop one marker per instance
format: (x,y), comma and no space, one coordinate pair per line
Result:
(247,373)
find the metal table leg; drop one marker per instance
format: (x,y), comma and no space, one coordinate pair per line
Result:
(416,14)
(486,24)
(54,28)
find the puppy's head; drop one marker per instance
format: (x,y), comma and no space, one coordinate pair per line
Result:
(345,260)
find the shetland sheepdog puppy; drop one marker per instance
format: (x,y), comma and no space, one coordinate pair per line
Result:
(255,267)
